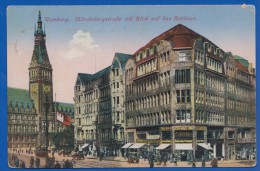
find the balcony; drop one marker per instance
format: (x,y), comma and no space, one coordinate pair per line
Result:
(246,140)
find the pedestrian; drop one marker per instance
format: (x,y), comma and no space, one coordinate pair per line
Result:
(151,161)
(57,164)
(37,162)
(175,161)
(31,162)
(16,162)
(214,162)
(66,164)
(165,160)
(203,163)
(193,163)
(22,164)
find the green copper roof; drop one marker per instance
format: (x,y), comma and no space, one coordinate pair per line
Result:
(123,58)
(242,60)
(67,108)
(18,96)
(101,73)
(83,77)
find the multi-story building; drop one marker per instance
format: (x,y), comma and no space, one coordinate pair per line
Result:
(99,107)
(185,92)
(27,109)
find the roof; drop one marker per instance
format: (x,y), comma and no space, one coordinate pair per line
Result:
(122,58)
(179,36)
(83,77)
(100,73)
(242,60)
(241,67)
(19,96)
(67,108)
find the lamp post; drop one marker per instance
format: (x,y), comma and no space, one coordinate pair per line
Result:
(47,128)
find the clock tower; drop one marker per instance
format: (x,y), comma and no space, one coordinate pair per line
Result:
(40,73)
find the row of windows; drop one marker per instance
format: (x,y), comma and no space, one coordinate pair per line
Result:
(23,117)
(215,83)
(199,57)
(15,138)
(242,76)
(146,53)
(214,65)
(104,119)
(183,116)
(215,100)
(147,67)
(199,77)
(182,76)
(183,96)
(129,73)
(165,78)
(22,128)
(199,97)
(215,118)
(149,102)
(184,56)
(164,117)
(164,58)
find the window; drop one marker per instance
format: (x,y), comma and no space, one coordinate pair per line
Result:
(183,56)
(183,116)
(182,76)
(117,101)
(183,96)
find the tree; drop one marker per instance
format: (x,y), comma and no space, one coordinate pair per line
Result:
(64,140)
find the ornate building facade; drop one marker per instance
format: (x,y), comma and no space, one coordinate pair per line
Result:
(27,109)
(99,107)
(184,91)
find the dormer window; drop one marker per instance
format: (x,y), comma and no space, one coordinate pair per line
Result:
(147,52)
(154,49)
(209,48)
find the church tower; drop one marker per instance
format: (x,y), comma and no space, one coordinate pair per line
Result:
(40,72)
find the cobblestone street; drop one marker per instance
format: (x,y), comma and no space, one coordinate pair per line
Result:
(120,162)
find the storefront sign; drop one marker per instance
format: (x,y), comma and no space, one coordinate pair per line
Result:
(166,128)
(140,141)
(183,135)
(183,141)
(183,128)
(152,137)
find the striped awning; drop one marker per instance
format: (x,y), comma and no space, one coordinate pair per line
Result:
(137,145)
(127,145)
(162,146)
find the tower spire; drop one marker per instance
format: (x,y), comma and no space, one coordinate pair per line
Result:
(39,22)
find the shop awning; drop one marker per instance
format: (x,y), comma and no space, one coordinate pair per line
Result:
(137,145)
(85,145)
(206,146)
(162,146)
(127,145)
(183,146)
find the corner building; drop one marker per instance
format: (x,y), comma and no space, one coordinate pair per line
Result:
(185,92)
(99,108)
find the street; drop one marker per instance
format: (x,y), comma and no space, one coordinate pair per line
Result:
(120,162)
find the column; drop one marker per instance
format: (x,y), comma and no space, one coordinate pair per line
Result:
(223,150)
(215,150)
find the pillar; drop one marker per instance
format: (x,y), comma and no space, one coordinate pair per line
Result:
(215,150)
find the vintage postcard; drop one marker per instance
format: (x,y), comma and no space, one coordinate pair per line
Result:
(131,86)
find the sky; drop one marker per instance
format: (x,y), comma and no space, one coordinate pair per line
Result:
(87,46)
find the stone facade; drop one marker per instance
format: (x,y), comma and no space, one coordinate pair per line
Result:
(99,107)
(26,109)
(182,88)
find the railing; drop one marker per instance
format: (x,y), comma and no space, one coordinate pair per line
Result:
(246,140)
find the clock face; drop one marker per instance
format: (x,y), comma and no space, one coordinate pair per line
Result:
(46,88)
(34,87)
